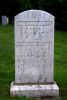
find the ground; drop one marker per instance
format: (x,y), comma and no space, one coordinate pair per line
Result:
(7,63)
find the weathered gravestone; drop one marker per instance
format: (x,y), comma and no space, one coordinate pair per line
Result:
(5,20)
(34,55)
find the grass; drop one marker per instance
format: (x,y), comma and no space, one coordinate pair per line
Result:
(61,58)
(61,62)
(7,63)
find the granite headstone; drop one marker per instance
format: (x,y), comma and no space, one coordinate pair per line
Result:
(5,20)
(34,55)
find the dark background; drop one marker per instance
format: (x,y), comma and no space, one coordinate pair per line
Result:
(58,8)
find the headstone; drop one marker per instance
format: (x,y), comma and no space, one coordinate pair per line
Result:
(5,20)
(34,55)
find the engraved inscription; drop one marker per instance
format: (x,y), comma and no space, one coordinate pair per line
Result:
(36,51)
(34,31)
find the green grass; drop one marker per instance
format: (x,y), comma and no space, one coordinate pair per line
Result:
(7,63)
(61,62)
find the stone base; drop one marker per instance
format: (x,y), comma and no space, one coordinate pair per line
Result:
(34,90)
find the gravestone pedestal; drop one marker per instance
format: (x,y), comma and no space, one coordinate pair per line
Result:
(34,90)
(34,55)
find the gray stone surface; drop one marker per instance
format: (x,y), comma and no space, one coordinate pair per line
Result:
(5,20)
(34,52)
(34,90)
(34,43)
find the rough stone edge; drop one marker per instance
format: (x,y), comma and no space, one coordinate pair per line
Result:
(34,90)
